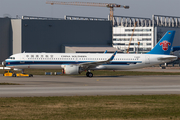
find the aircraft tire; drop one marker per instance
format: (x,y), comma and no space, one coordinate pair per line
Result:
(30,75)
(90,74)
(14,75)
(87,74)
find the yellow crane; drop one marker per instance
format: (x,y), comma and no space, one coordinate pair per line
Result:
(131,37)
(109,5)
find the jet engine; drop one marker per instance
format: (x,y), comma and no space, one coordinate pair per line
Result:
(72,69)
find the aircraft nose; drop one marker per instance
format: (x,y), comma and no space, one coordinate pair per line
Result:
(4,63)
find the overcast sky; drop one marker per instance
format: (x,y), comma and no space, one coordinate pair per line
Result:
(138,8)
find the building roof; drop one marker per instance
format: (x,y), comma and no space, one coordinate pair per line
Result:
(92,49)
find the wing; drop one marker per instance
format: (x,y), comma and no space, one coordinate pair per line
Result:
(94,64)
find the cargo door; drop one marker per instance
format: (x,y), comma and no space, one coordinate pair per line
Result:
(147,59)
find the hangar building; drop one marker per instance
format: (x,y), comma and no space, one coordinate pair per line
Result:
(39,34)
(5,38)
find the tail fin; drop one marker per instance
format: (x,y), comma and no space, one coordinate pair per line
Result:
(164,45)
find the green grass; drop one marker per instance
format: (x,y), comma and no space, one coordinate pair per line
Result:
(100,72)
(92,107)
(9,84)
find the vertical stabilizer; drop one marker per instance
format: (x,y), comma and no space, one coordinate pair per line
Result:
(164,45)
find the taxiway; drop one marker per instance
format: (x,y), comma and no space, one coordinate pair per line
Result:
(41,85)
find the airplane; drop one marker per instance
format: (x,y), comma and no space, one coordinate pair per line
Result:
(75,63)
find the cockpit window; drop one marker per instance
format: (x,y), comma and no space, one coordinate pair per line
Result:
(12,58)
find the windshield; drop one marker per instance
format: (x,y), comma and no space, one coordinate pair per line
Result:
(11,58)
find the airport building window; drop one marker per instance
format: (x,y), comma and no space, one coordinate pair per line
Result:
(131,49)
(148,43)
(118,43)
(131,34)
(135,43)
(138,30)
(146,39)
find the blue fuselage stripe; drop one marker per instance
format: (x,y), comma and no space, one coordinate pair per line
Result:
(13,63)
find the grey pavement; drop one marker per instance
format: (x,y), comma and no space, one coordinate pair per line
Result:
(41,85)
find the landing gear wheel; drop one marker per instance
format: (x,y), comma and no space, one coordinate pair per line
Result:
(30,75)
(14,75)
(89,74)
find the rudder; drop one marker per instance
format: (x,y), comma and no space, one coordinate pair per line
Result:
(164,45)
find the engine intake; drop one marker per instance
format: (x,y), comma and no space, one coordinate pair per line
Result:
(72,69)
(4,63)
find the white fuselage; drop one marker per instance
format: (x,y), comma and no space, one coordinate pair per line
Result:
(60,60)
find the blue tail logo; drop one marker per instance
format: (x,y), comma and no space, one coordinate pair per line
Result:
(164,45)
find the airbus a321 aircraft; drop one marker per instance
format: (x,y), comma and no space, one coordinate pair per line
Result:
(75,63)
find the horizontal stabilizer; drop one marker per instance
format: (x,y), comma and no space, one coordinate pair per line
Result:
(168,58)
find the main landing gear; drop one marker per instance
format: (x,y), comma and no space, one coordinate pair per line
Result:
(89,74)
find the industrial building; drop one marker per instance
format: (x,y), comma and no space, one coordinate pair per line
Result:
(39,34)
(146,31)
(5,38)
(83,34)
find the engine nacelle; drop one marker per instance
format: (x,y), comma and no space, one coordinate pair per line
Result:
(72,69)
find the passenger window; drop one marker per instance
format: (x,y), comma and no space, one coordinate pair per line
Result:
(37,55)
(32,55)
(27,55)
(46,55)
(41,55)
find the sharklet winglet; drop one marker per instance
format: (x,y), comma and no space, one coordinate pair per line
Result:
(112,57)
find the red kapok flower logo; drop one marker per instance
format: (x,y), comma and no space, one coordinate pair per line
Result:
(165,45)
